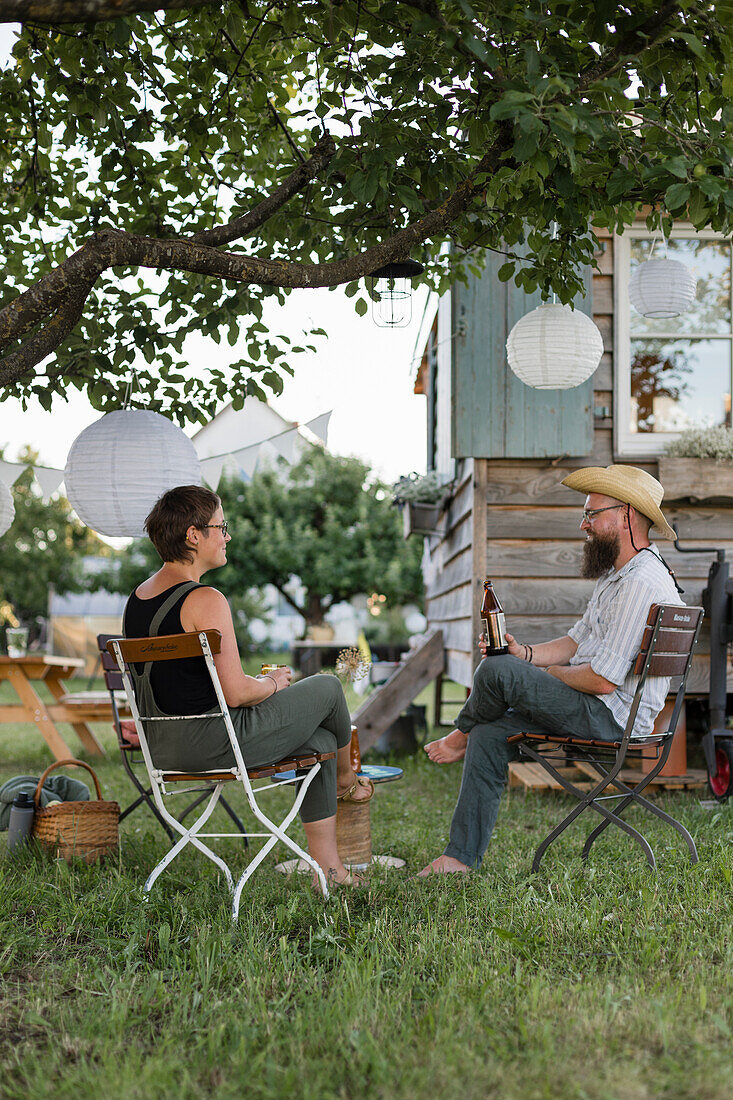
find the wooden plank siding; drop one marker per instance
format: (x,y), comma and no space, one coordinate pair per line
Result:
(449,570)
(513,520)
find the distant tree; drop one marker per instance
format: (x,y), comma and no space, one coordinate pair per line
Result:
(44,546)
(324,522)
(129,568)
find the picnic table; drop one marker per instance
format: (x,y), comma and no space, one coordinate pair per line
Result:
(22,672)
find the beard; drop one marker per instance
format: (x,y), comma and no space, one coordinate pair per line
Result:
(599,554)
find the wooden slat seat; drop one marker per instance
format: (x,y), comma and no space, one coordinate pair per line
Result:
(291,763)
(585,743)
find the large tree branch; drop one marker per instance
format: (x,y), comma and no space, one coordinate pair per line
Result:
(323,151)
(114,248)
(88,11)
(650,32)
(45,296)
(21,362)
(289,599)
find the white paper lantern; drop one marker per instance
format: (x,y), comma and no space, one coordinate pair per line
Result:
(661,287)
(7,508)
(119,466)
(554,347)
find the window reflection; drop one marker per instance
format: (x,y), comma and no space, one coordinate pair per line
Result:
(681,366)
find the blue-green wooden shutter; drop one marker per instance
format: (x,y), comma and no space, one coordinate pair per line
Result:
(494,414)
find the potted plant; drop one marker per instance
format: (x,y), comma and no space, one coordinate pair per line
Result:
(420,498)
(698,465)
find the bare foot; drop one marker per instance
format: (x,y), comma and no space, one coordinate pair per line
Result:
(444,865)
(448,749)
(336,878)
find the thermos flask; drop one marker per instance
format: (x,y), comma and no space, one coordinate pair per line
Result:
(21,821)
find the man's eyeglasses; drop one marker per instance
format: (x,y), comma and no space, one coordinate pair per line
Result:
(589,514)
(223,527)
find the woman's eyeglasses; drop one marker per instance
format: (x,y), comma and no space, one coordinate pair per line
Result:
(223,527)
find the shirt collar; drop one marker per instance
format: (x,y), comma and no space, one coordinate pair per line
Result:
(633,563)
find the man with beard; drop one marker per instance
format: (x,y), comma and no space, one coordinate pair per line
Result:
(581,683)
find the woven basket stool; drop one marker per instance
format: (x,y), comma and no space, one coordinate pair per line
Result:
(354,833)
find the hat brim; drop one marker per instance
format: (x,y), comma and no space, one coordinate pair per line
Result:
(597,479)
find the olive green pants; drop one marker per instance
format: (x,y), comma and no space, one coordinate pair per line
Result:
(311,715)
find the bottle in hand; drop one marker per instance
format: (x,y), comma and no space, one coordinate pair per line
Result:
(492,618)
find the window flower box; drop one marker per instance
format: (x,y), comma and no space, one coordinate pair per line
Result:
(420,519)
(421,498)
(695,478)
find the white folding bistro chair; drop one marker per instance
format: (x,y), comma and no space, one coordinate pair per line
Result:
(205,644)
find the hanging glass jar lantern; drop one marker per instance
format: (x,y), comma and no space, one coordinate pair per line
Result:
(392,293)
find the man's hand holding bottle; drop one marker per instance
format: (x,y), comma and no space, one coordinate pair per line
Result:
(514,647)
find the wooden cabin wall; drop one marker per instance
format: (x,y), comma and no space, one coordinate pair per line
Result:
(512,520)
(450,569)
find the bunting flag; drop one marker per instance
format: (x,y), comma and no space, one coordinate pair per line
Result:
(211,470)
(267,455)
(319,426)
(246,459)
(286,444)
(11,471)
(262,455)
(48,479)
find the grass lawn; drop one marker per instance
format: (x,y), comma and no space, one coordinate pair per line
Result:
(597,981)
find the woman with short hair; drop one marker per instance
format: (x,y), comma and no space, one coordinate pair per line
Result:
(272,718)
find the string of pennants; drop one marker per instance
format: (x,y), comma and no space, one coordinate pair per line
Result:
(244,460)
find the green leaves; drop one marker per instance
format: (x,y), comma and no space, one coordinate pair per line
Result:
(676,196)
(166,128)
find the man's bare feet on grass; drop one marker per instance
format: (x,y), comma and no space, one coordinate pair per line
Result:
(444,865)
(448,749)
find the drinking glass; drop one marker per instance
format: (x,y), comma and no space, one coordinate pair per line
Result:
(17,640)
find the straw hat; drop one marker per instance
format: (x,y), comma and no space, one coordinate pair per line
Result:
(628,484)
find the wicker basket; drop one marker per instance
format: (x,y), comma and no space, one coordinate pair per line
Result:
(86,830)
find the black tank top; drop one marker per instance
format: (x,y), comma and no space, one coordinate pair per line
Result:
(180,687)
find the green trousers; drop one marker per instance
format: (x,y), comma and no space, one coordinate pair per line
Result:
(311,715)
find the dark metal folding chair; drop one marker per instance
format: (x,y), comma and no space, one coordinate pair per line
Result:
(666,650)
(130,751)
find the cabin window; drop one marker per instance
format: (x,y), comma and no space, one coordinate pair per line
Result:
(672,374)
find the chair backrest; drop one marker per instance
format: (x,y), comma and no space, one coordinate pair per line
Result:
(170,647)
(110,671)
(165,647)
(667,646)
(676,633)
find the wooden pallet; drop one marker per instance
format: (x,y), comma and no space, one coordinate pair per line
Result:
(533,776)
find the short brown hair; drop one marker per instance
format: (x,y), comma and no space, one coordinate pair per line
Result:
(172,515)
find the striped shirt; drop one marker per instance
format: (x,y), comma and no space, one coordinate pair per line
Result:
(610,632)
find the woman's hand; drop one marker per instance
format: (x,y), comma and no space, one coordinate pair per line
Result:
(281,676)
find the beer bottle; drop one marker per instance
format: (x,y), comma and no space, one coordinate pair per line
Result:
(492,618)
(355,752)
